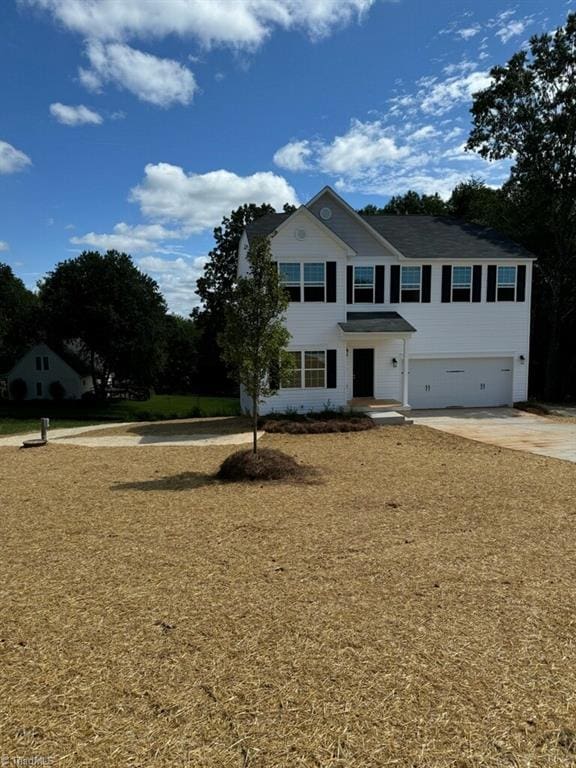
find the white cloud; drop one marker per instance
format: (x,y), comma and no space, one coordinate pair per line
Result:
(467,33)
(177,280)
(131,239)
(293,156)
(162,82)
(446,94)
(424,133)
(12,160)
(238,23)
(424,182)
(80,115)
(364,145)
(4,246)
(512,29)
(199,201)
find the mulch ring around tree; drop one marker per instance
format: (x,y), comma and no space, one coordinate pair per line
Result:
(267,464)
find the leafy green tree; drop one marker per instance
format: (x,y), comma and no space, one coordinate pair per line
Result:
(475,202)
(409,203)
(215,289)
(180,355)
(255,336)
(114,311)
(19,320)
(528,114)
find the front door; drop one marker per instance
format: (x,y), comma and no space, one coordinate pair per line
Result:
(363,373)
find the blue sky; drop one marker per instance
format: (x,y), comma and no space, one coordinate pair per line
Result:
(137,124)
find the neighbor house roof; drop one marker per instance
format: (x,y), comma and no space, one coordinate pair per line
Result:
(424,237)
(376,322)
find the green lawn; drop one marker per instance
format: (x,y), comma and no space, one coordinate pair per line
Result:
(24,417)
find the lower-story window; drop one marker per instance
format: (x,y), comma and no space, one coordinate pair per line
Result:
(308,370)
(38,389)
(293,377)
(314,369)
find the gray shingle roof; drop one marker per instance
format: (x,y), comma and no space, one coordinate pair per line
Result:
(444,237)
(376,322)
(424,237)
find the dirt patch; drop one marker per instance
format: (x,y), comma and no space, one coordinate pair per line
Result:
(267,464)
(413,609)
(318,427)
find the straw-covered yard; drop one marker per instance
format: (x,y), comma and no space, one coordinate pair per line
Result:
(414,605)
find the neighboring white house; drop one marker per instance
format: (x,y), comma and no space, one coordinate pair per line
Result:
(422,311)
(41,366)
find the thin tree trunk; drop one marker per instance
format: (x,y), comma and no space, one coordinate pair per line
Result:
(254,426)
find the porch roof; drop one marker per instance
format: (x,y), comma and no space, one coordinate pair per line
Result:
(376,322)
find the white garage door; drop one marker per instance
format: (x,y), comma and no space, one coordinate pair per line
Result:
(460,382)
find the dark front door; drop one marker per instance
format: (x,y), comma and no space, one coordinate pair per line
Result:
(363,373)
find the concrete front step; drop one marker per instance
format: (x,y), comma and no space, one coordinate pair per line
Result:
(388,418)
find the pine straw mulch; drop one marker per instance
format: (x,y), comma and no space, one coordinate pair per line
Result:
(415,608)
(266,464)
(318,426)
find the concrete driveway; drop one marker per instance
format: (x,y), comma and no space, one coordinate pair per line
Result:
(505,427)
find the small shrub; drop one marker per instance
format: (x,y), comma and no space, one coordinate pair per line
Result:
(313,427)
(18,389)
(267,464)
(57,390)
(195,412)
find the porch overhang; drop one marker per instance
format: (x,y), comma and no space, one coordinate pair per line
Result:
(381,323)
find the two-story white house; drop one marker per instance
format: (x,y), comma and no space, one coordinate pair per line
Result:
(416,311)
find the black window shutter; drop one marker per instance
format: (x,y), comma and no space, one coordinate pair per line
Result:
(379,284)
(446,282)
(491,285)
(331,368)
(521,283)
(349,284)
(394,284)
(477,282)
(426,283)
(331,281)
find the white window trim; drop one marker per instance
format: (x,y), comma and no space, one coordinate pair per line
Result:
(302,353)
(461,287)
(512,285)
(303,283)
(363,287)
(402,288)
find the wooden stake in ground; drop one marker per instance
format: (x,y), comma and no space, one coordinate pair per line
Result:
(255,337)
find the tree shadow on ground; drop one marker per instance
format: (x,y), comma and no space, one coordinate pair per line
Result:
(217,426)
(185,481)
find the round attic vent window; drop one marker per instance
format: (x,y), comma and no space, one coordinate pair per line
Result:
(326,213)
(300,234)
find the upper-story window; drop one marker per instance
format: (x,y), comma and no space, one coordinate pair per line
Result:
(46,365)
(461,283)
(314,282)
(304,282)
(38,363)
(364,285)
(506,284)
(290,278)
(410,284)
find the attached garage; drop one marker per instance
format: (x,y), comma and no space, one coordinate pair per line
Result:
(460,382)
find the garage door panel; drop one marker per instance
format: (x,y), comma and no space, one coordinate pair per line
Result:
(442,383)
